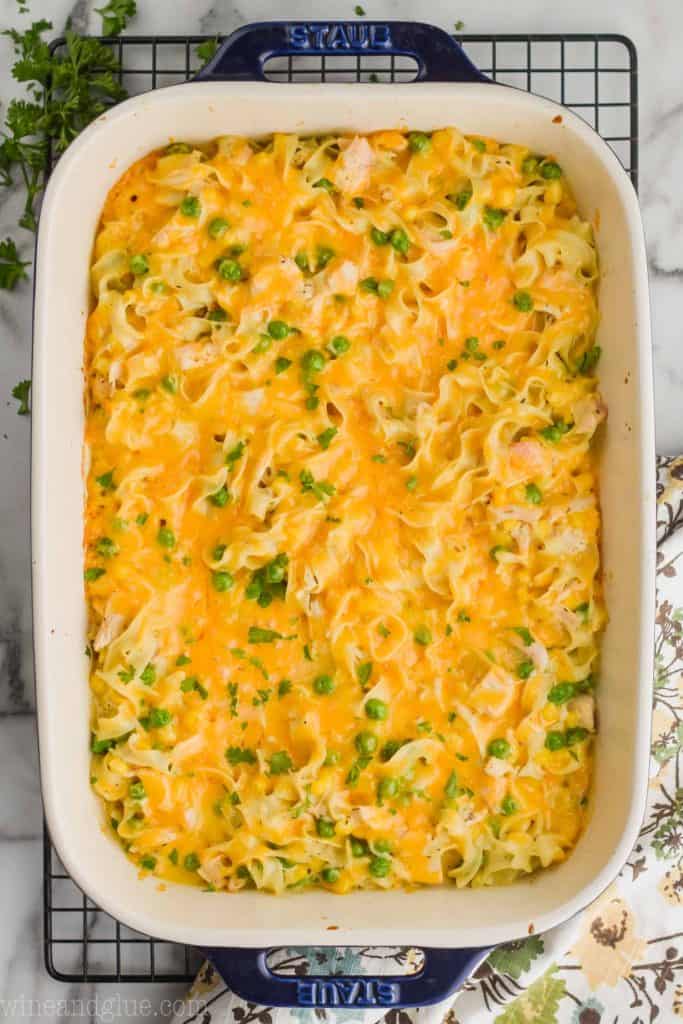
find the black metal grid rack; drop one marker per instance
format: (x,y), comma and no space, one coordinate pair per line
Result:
(593,75)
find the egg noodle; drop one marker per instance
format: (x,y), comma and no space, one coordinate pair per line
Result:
(341,547)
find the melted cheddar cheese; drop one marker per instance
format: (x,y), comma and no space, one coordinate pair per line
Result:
(341,546)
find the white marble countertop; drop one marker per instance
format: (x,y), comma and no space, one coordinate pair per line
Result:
(654,26)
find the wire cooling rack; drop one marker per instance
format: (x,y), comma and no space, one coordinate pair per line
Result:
(593,75)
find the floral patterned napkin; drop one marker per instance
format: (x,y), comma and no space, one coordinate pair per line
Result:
(621,960)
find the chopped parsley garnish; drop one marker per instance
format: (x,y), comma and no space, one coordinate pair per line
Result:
(106,481)
(364,672)
(322,489)
(257,635)
(460,199)
(589,360)
(191,684)
(326,437)
(220,498)
(240,755)
(166,537)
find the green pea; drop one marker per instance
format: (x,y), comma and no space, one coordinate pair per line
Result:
(523,302)
(325,828)
(191,862)
(166,537)
(499,747)
(323,685)
(330,875)
(382,845)
(385,288)
(138,264)
(177,147)
(493,218)
(217,316)
(471,344)
(550,170)
(218,552)
(366,743)
(525,669)
(418,142)
(222,581)
(577,734)
(533,494)
(555,740)
(217,227)
(282,364)
(148,862)
(278,329)
(190,206)
(169,384)
(422,636)
(530,165)
(561,693)
(325,184)
(387,789)
(276,570)
(379,237)
(340,344)
(230,270)
(399,241)
(137,791)
(359,847)
(312,361)
(376,709)
(379,867)
(508,805)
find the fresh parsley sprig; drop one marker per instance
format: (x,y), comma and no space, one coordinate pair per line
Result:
(115,15)
(11,267)
(68,89)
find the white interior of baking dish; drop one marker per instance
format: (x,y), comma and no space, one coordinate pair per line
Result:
(431,917)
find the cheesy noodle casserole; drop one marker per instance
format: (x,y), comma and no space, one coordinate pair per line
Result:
(342,536)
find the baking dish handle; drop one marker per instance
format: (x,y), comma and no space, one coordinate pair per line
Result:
(242,56)
(246,972)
